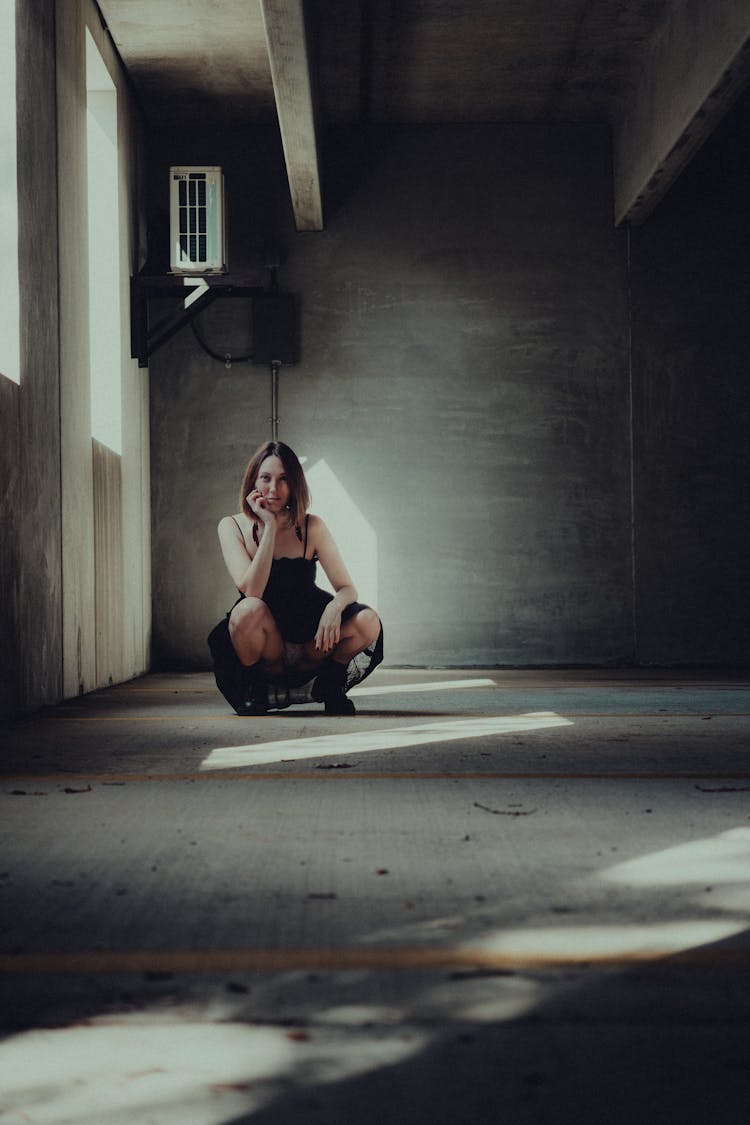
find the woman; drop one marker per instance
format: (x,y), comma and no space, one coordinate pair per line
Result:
(285,637)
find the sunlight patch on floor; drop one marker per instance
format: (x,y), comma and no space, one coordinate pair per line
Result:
(144,1068)
(441,685)
(362,742)
(620,942)
(717,859)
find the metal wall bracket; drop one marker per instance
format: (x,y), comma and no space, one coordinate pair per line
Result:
(192,294)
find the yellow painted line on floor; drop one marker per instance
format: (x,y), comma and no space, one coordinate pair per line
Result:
(351,773)
(338,960)
(182,714)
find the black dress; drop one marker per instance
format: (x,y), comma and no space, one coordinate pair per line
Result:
(296,603)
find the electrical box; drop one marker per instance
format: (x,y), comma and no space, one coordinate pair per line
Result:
(197,220)
(275,329)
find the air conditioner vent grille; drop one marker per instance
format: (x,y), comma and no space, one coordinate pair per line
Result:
(197,235)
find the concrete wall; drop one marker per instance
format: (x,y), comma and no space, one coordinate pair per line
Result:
(479,371)
(48,614)
(464,375)
(684,80)
(547,447)
(691,342)
(30,499)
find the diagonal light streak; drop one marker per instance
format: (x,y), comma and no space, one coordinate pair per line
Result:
(361,742)
(626,940)
(444,685)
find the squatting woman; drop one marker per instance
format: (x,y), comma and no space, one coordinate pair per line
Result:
(285,639)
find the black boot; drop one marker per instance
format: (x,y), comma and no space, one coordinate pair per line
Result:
(330,689)
(255,693)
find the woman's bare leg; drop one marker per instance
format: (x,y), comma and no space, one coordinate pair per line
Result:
(255,637)
(357,634)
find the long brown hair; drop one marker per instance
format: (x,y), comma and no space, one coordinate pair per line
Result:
(299,493)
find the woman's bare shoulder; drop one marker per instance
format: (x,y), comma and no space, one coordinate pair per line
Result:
(318,532)
(233,524)
(315,525)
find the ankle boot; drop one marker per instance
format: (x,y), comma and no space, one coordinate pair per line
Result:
(330,689)
(255,693)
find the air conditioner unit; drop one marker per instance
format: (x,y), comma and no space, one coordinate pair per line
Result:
(196,220)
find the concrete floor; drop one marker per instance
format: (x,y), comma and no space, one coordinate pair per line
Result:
(517,897)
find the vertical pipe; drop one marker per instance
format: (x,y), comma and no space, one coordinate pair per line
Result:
(632,450)
(275,365)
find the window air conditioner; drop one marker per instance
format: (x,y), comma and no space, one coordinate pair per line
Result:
(196,220)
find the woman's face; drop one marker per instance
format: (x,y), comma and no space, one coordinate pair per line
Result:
(273,484)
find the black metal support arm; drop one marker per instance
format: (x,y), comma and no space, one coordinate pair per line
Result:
(145,339)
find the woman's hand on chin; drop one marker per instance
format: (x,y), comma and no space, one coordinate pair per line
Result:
(257,503)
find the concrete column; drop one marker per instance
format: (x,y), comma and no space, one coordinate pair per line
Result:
(35,517)
(79,650)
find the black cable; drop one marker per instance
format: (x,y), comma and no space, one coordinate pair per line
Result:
(227,359)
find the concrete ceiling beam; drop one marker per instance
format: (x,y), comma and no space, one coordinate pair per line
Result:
(692,70)
(289,57)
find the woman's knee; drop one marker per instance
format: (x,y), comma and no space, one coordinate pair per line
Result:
(367,624)
(249,615)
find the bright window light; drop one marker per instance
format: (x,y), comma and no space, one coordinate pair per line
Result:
(623,942)
(717,859)
(105,330)
(414,688)
(10,305)
(365,741)
(176,1068)
(354,536)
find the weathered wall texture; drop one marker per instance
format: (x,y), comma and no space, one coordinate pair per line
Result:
(691,343)
(464,374)
(48,615)
(31,620)
(38,511)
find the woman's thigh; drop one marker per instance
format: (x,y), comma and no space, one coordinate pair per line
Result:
(252,621)
(361,628)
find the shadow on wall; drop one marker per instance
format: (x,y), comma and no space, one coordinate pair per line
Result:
(348,157)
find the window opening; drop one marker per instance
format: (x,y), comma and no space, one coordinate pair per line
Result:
(105,328)
(10,299)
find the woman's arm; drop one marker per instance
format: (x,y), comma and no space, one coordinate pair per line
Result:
(324,546)
(249,573)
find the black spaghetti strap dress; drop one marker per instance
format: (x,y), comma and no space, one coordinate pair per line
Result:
(296,603)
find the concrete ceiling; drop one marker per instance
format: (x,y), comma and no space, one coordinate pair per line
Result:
(326,62)
(414,61)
